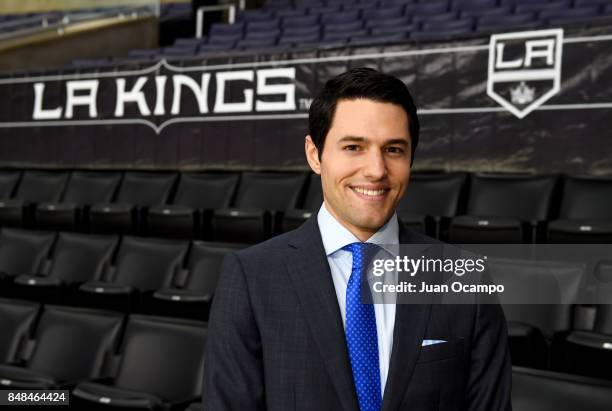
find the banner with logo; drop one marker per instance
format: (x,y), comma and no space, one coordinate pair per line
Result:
(538,101)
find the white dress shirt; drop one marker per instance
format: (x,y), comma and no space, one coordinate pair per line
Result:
(335,236)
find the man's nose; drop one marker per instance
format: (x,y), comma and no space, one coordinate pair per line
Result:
(375,166)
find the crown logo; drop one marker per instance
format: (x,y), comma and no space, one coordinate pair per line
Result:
(522,94)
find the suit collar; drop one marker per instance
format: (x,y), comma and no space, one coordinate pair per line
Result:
(311,277)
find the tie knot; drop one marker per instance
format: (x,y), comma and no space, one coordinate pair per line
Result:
(362,252)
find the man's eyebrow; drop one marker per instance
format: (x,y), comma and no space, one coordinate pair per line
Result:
(359,139)
(349,138)
(400,141)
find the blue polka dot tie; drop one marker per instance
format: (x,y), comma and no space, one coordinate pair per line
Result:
(361,336)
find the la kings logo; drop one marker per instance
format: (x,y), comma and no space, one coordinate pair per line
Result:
(525,69)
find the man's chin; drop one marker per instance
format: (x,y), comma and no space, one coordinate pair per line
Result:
(372,224)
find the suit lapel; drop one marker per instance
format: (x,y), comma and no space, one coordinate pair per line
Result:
(311,277)
(410,325)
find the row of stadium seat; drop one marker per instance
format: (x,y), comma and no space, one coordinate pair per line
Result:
(349,22)
(251,206)
(104,358)
(176,278)
(108,361)
(159,276)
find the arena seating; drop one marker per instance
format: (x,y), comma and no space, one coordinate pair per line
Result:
(504,209)
(17,319)
(23,252)
(431,200)
(284,25)
(83,190)
(586,212)
(75,259)
(137,192)
(191,295)
(196,196)
(159,364)
(68,345)
(34,187)
(548,391)
(142,266)
(174,277)
(250,206)
(260,198)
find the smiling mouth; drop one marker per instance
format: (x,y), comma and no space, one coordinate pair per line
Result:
(370,194)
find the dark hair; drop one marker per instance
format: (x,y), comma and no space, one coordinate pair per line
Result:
(359,83)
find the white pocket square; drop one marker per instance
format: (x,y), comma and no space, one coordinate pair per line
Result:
(432,342)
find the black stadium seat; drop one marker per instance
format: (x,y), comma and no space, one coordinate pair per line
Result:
(34,187)
(161,366)
(8,183)
(590,352)
(534,390)
(69,345)
(84,189)
(194,407)
(586,212)
(504,209)
(192,296)
(16,322)
(76,258)
(138,192)
(259,200)
(196,196)
(312,202)
(539,316)
(142,266)
(430,201)
(23,252)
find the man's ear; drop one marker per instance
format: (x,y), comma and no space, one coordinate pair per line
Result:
(312,155)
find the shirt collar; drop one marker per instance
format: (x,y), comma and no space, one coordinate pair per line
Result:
(335,235)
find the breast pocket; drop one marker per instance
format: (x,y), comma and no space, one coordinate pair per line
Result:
(440,351)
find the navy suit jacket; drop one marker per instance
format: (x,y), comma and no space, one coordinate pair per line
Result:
(276,340)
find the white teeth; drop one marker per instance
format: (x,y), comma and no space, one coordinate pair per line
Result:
(367,192)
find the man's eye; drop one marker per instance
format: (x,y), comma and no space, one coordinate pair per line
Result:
(398,150)
(352,147)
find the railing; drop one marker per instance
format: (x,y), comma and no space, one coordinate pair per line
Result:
(59,22)
(230,8)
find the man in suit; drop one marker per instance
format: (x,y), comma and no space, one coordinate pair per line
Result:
(287,330)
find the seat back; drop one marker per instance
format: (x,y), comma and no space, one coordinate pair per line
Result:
(204,265)
(433,194)
(539,293)
(587,198)
(41,186)
(534,390)
(86,187)
(270,191)
(146,189)
(79,258)
(71,344)
(148,264)
(525,198)
(206,190)
(164,357)
(16,322)
(23,252)
(8,182)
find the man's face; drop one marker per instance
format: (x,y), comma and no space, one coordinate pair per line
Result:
(365,164)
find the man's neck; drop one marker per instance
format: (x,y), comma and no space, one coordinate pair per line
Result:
(361,234)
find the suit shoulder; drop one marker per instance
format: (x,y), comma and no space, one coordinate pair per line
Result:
(274,247)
